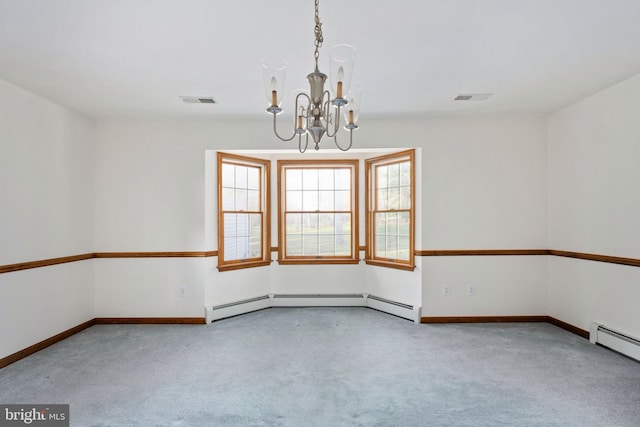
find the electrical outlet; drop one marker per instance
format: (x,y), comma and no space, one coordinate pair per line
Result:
(471,290)
(446,290)
(182,293)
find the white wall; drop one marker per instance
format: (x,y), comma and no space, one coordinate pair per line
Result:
(149,196)
(396,285)
(594,207)
(46,187)
(505,286)
(155,191)
(483,187)
(149,287)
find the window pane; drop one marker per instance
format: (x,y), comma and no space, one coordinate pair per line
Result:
(255,246)
(294,245)
(383,199)
(236,248)
(324,198)
(343,179)
(343,200)
(392,224)
(380,223)
(392,247)
(230,225)
(394,175)
(241,177)
(294,200)
(241,200)
(242,225)
(228,175)
(394,198)
(381,246)
(253,203)
(294,223)
(310,223)
(326,202)
(403,248)
(253,178)
(327,245)
(390,232)
(310,201)
(294,179)
(405,198)
(243,247)
(405,173)
(256,225)
(228,199)
(309,244)
(403,223)
(381,172)
(327,224)
(242,189)
(343,223)
(343,244)
(230,248)
(325,179)
(309,179)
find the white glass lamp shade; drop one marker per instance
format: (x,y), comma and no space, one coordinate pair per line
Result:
(343,58)
(273,72)
(352,109)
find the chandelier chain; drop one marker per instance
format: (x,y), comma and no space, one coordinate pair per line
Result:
(318,33)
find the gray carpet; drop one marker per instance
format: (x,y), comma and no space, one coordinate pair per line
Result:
(329,367)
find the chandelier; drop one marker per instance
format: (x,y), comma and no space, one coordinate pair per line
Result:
(316,114)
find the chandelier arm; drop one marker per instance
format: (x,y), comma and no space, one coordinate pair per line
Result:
(275,130)
(325,110)
(336,127)
(335,141)
(328,118)
(306,110)
(306,143)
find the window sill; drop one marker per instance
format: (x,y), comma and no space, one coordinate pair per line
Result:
(388,264)
(317,261)
(241,265)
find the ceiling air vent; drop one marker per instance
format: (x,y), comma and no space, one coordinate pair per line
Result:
(198,99)
(472,97)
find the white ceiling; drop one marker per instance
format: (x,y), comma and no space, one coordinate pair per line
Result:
(113,59)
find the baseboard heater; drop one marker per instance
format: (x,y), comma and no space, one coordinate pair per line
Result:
(317,300)
(615,340)
(223,311)
(406,311)
(216,312)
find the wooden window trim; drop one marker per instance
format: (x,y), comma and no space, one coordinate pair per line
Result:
(265,212)
(311,260)
(238,266)
(319,164)
(401,265)
(370,165)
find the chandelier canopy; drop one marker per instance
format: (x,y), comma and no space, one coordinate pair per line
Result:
(317,114)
